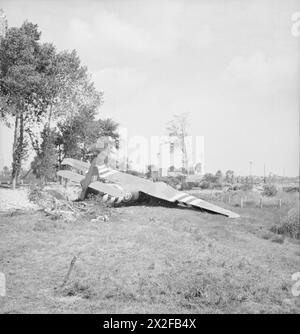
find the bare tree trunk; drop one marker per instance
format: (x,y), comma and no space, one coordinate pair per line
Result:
(184,153)
(18,148)
(15,146)
(50,116)
(24,177)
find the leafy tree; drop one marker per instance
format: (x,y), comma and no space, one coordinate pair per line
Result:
(44,165)
(270,190)
(39,86)
(229,176)
(79,136)
(209,180)
(219,176)
(5,170)
(150,169)
(22,85)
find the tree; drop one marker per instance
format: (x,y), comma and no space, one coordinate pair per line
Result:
(178,131)
(39,86)
(150,169)
(69,86)
(79,135)
(219,176)
(5,172)
(210,178)
(22,86)
(229,176)
(44,165)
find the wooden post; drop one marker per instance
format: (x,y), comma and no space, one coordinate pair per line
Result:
(279,203)
(70,269)
(242,202)
(229,199)
(261,202)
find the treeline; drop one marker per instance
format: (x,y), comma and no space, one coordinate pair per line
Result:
(49,99)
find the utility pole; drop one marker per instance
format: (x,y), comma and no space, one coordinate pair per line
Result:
(250,171)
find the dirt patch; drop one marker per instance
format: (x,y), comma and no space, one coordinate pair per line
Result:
(17,199)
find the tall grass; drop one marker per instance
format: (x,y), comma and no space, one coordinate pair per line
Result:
(289,224)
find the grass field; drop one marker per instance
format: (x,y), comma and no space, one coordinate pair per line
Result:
(148,259)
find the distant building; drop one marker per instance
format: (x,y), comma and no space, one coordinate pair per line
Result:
(3,23)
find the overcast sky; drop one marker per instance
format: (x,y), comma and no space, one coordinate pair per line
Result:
(233,65)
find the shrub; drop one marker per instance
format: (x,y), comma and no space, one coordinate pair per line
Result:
(290,225)
(278,239)
(292,189)
(246,187)
(35,193)
(269,190)
(187,186)
(44,164)
(204,185)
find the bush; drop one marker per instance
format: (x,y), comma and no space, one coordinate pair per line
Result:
(204,185)
(187,186)
(135,173)
(246,187)
(236,187)
(290,225)
(269,190)
(292,189)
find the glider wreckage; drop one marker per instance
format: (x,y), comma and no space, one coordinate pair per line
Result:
(117,187)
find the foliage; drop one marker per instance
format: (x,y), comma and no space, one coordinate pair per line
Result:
(150,168)
(291,189)
(290,224)
(210,180)
(229,176)
(79,134)
(44,164)
(270,190)
(39,85)
(219,176)
(246,186)
(204,185)
(23,89)
(135,173)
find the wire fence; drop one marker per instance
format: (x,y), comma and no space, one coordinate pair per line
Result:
(243,200)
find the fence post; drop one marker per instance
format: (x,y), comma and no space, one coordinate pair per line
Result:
(261,202)
(242,202)
(279,202)
(229,199)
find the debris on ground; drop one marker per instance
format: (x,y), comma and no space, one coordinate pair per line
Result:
(104,218)
(55,201)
